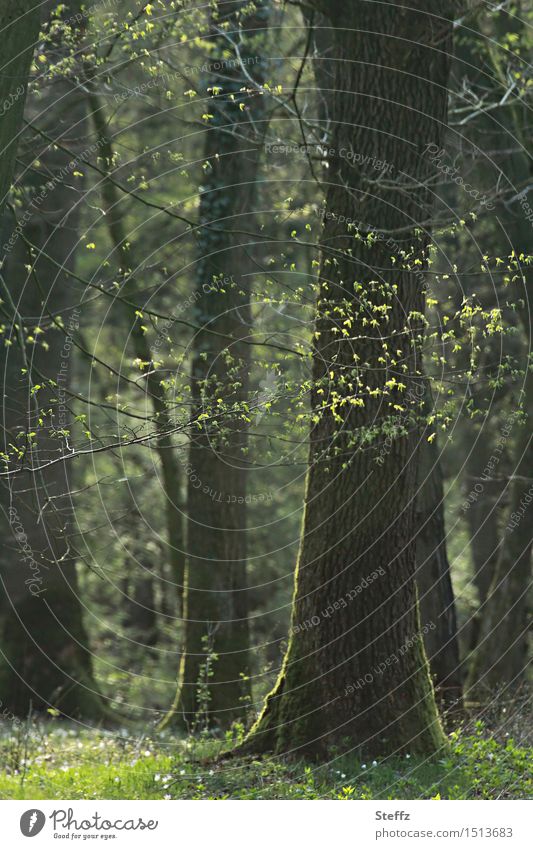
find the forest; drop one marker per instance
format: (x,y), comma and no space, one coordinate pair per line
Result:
(266,461)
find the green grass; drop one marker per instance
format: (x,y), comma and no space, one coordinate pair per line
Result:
(59,760)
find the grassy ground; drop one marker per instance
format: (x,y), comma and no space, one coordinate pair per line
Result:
(59,760)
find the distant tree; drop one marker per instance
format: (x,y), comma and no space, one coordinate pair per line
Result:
(500,659)
(128,257)
(216,639)
(494,91)
(433,579)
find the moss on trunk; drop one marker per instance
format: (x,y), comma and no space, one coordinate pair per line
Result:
(355,675)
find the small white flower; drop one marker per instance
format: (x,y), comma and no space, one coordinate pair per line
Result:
(408,756)
(343,775)
(157,777)
(182,772)
(167,796)
(374,763)
(363,766)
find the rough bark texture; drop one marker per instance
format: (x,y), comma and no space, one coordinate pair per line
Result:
(436,595)
(45,660)
(358,676)
(216,642)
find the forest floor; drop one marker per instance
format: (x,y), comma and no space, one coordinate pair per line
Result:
(55,759)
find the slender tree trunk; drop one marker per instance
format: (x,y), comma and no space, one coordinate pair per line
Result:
(483,503)
(140,615)
(500,658)
(45,658)
(355,667)
(145,617)
(433,578)
(139,609)
(170,467)
(483,512)
(216,644)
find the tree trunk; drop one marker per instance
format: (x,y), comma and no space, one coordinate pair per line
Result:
(483,511)
(500,658)
(355,667)
(140,614)
(19,24)
(433,578)
(45,661)
(436,595)
(170,467)
(216,643)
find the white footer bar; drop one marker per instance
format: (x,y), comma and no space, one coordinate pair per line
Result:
(264,825)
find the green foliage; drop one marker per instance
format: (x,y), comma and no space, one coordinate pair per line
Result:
(151,68)
(59,761)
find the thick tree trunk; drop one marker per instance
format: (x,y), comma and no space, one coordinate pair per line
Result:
(216,643)
(436,595)
(355,668)
(45,660)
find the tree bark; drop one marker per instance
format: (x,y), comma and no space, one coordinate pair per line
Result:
(46,660)
(500,658)
(215,667)
(483,512)
(355,667)
(19,24)
(433,579)
(436,595)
